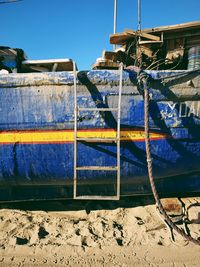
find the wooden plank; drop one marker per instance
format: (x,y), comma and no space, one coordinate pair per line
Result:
(131,32)
(109,55)
(143,34)
(193,41)
(107,64)
(62,64)
(150,42)
(174,28)
(182,30)
(120,38)
(150,36)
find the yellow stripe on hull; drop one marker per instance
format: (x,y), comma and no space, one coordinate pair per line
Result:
(62,136)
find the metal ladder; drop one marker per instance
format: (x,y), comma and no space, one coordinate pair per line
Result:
(78,139)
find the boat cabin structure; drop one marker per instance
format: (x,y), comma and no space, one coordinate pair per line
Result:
(167,47)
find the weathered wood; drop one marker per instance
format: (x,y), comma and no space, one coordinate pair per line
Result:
(120,38)
(48,64)
(107,64)
(174,28)
(182,34)
(193,41)
(172,31)
(109,55)
(176,53)
(143,34)
(145,50)
(150,42)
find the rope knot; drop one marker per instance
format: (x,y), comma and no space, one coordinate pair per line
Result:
(144,78)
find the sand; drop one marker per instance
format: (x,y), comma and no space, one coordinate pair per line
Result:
(73,233)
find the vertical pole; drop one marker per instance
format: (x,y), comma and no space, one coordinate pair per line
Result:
(75,130)
(139,15)
(118,130)
(115,20)
(139,34)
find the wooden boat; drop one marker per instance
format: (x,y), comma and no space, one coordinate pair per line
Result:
(38,143)
(37,132)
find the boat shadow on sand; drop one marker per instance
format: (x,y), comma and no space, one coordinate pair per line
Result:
(173,206)
(75,205)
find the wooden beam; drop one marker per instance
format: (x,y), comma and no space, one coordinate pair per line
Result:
(170,32)
(174,28)
(150,36)
(107,64)
(109,55)
(131,32)
(119,38)
(143,34)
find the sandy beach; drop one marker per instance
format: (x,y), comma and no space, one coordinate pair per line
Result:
(68,233)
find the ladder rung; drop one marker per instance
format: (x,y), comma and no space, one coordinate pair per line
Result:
(97,197)
(97,139)
(98,109)
(97,168)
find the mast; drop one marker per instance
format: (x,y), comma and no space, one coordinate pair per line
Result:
(115,20)
(139,15)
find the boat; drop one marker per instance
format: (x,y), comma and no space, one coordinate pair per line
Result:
(66,133)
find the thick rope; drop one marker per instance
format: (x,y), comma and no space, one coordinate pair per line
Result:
(143,80)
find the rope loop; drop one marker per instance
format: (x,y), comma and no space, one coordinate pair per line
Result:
(144,79)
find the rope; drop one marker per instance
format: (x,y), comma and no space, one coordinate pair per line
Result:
(143,79)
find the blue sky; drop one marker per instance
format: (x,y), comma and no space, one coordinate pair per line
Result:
(80,29)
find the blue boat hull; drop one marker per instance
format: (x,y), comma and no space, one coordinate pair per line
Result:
(36,134)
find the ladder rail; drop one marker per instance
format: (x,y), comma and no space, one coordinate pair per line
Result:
(118,131)
(75,129)
(117,140)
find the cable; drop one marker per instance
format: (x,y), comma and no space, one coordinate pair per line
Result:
(153,63)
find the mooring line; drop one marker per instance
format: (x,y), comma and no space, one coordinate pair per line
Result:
(144,81)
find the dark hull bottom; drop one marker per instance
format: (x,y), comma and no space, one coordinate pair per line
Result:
(185,185)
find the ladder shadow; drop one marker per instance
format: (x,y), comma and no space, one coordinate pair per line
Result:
(111,122)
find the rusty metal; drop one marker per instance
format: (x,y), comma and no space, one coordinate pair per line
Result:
(172,205)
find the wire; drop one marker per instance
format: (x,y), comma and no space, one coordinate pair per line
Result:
(153,63)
